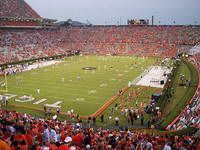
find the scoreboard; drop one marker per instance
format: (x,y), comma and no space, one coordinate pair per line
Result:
(138,22)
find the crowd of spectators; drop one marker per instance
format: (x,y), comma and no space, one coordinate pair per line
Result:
(22,132)
(190,116)
(138,40)
(19,23)
(17,45)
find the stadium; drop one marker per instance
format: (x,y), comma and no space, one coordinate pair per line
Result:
(104,87)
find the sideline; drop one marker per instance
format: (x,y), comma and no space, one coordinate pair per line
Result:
(97,113)
(195,94)
(108,103)
(41,110)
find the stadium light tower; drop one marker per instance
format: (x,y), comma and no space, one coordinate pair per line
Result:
(152,20)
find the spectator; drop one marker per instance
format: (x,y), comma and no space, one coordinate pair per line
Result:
(116,121)
(4,145)
(46,134)
(66,144)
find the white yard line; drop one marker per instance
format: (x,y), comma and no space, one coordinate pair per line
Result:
(54,105)
(40,101)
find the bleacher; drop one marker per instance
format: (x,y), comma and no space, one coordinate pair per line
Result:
(157,41)
(25,132)
(138,40)
(22,131)
(190,115)
(17,9)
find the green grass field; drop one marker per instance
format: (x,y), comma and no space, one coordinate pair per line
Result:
(87,94)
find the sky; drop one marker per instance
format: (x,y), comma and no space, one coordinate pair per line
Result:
(109,12)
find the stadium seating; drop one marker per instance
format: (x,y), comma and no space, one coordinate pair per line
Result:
(19,23)
(16,9)
(159,41)
(138,40)
(190,116)
(18,45)
(23,131)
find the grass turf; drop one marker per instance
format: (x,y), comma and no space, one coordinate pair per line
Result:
(85,95)
(181,94)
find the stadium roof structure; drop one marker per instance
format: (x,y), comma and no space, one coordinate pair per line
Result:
(17,9)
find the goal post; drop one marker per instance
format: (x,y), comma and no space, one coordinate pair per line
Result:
(3,82)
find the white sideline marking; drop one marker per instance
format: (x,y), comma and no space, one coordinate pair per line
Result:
(7,96)
(92,91)
(54,105)
(57,103)
(113,79)
(80,99)
(40,101)
(103,85)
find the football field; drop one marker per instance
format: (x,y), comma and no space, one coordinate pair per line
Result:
(81,83)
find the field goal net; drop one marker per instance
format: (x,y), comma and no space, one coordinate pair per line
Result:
(3,82)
